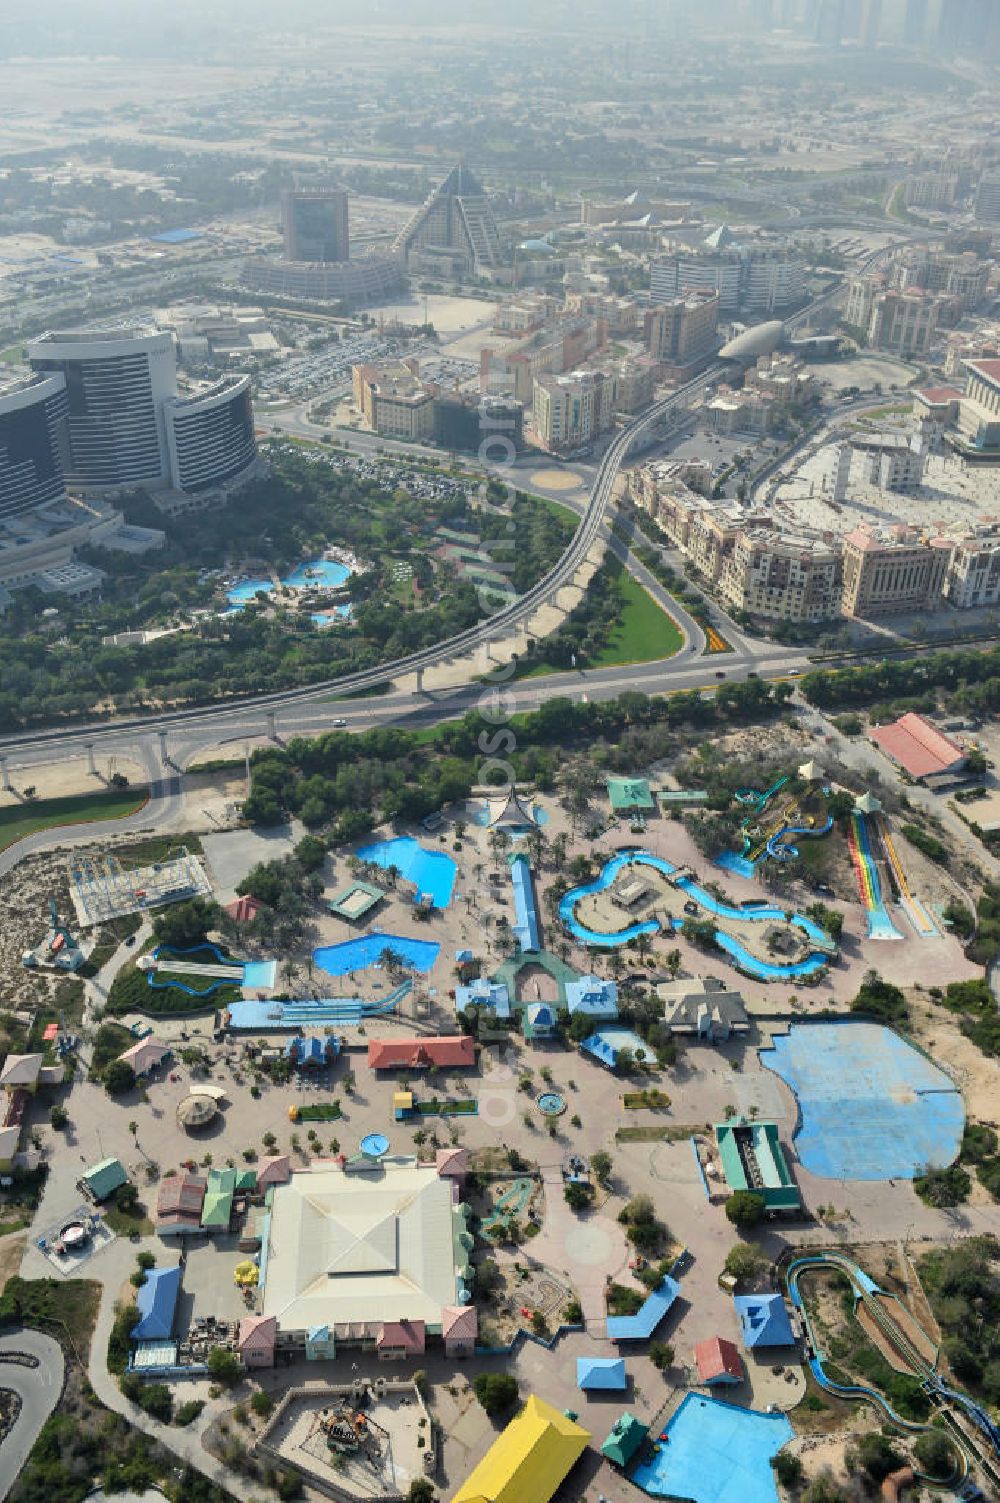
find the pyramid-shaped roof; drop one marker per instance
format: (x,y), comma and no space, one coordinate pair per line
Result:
(601,1373)
(625,1439)
(529,1460)
(764,1320)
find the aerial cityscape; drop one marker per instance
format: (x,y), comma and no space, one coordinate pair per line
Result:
(499,741)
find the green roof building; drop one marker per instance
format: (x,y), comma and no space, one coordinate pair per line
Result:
(753,1159)
(624,1440)
(103,1179)
(218,1207)
(629,794)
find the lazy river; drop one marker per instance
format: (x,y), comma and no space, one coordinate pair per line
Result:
(763,970)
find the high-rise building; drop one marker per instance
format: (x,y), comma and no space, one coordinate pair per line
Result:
(122,424)
(681,333)
(871,23)
(117,382)
(210,435)
(830,22)
(454,226)
(953,22)
(315,224)
(892,569)
(32,415)
(915,23)
(988,198)
(764,278)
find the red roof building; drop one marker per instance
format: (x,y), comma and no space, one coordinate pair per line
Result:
(918,748)
(455,1051)
(718,1361)
(401,1338)
(244,910)
(257,1339)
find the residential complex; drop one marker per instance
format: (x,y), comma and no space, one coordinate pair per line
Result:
(681,334)
(758,278)
(904,322)
(888,570)
(395,402)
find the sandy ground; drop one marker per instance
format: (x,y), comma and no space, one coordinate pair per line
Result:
(66,775)
(11,1252)
(556,480)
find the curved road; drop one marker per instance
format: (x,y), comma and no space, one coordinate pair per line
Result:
(39,1389)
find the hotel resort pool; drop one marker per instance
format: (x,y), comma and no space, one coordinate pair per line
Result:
(363,953)
(431,872)
(314,574)
(715,1453)
(871,1107)
(749,964)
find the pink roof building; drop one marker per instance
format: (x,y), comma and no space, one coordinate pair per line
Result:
(718,1361)
(452,1163)
(258,1336)
(401,1338)
(145,1055)
(276,1170)
(459,1329)
(918,747)
(450,1051)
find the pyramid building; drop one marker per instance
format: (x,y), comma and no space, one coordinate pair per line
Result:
(454,226)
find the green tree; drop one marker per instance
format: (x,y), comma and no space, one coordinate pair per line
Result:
(497,1392)
(745,1208)
(119,1078)
(59,1117)
(224,1366)
(182,926)
(578,1197)
(788,1469)
(601,1163)
(420,1491)
(661,1354)
(876,1455)
(936,1455)
(744,1262)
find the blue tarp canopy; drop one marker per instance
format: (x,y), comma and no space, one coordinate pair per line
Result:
(640,1327)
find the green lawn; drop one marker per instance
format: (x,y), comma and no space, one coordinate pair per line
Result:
(646,632)
(13,355)
(19,820)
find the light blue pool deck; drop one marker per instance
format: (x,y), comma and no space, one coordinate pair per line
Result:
(716,1453)
(764,970)
(871,1107)
(526,929)
(363,953)
(314,573)
(431,872)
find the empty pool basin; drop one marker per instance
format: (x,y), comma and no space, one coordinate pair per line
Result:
(431,872)
(375,1145)
(551,1104)
(366,951)
(74,1234)
(871,1107)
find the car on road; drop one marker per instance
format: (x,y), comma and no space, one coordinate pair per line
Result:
(339,723)
(720,673)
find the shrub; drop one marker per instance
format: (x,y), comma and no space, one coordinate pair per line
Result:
(942,1188)
(262,1403)
(224,1366)
(744,1261)
(788,1469)
(497,1392)
(661,1354)
(880,999)
(189,1411)
(119,1078)
(745,1208)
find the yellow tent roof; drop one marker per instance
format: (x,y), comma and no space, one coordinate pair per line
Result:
(529,1460)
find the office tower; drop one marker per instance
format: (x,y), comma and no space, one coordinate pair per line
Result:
(31,462)
(830,22)
(872,23)
(315,224)
(915,23)
(117,381)
(121,423)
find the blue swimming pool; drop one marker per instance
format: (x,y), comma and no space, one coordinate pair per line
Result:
(871,1107)
(314,573)
(715,1453)
(432,872)
(363,953)
(765,970)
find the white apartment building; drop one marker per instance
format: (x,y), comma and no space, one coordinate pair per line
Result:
(570,411)
(973,574)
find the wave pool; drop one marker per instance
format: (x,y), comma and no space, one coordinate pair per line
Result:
(715,1453)
(364,953)
(431,872)
(313,574)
